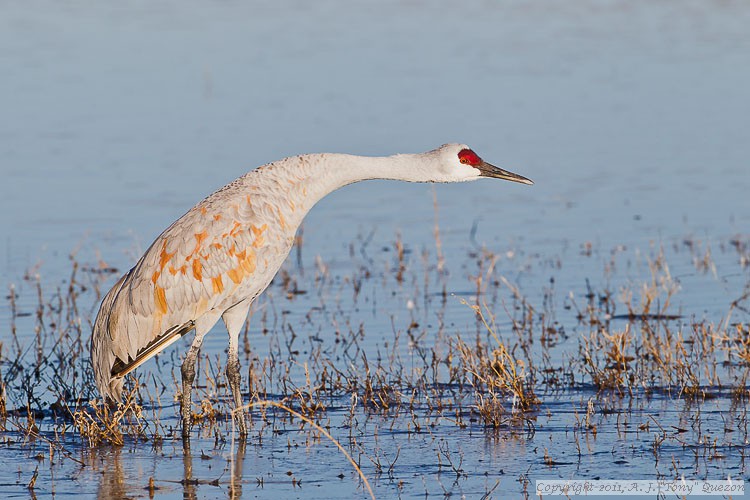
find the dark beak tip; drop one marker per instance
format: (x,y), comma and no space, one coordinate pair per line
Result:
(489,170)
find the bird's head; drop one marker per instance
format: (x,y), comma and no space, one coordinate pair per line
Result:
(458,163)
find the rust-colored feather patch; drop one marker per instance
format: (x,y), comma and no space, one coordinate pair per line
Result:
(235,229)
(165,256)
(258,232)
(217,284)
(282,220)
(200,237)
(197,270)
(160,299)
(236,274)
(249,263)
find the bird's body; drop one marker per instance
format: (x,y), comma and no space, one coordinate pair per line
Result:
(217,258)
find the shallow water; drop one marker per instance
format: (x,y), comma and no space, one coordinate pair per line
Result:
(630,117)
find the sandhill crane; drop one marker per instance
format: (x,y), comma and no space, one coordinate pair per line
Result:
(217,258)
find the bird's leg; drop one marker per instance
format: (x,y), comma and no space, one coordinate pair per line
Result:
(234,318)
(188,377)
(234,377)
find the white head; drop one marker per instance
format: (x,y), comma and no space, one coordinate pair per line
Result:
(459,163)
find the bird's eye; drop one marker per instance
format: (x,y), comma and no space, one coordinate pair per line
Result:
(469,157)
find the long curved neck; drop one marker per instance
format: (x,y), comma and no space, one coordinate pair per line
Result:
(297,183)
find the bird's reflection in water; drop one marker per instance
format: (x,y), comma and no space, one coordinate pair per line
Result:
(109,462)
(235,485)
(189,483)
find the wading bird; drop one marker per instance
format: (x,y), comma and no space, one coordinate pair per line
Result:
(217,258)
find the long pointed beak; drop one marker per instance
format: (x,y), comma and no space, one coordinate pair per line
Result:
(487,170)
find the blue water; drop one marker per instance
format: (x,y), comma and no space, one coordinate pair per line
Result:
(630,117)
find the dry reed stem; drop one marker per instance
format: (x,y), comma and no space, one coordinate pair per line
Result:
(53,444)
(266,403)
(503,365)
(104,425)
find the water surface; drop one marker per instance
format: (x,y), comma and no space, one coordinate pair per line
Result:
(631,118)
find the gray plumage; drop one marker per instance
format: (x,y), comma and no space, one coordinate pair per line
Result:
(217,258)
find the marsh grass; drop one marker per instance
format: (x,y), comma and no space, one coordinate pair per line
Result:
(627,339)
(495,376)
(102,423)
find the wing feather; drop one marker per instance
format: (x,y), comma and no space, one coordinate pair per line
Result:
(203,261)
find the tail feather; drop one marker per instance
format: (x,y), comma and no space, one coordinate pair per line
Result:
(102,353)
(107,358)
(121,368)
